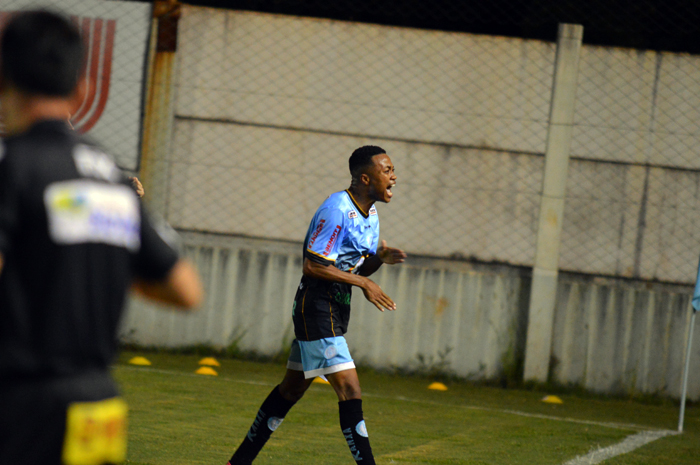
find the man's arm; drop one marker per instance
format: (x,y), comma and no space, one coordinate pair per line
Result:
(372,291)
(181,287)
(388,255)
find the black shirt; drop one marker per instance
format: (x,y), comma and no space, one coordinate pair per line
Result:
(73,234)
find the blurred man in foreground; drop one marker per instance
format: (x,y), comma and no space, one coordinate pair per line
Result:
(73,239)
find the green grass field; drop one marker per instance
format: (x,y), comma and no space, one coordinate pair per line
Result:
(178,417)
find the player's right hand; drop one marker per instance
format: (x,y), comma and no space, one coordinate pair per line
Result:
(374,294)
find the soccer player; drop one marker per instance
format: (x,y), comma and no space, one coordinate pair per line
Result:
(340,251)
(73,239)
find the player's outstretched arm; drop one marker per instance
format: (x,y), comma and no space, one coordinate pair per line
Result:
(371,290)
(181,288)
(388,255)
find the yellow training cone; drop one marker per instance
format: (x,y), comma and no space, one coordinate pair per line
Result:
(552,400)
(207,371)
(438,387)
(139,361)
(319,380)
(209,361)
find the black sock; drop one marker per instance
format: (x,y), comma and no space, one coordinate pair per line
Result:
(353,425)
(269,417)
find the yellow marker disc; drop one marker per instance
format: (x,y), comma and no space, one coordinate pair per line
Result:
(438,387)
(207,371)
(552,400)
(140,361)
(210,361)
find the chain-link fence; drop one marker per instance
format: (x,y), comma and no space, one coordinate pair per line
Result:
(632,197)
(259,112)
(116,38)
(268,109)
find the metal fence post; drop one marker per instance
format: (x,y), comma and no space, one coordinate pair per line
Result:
(158,111)
(545,271)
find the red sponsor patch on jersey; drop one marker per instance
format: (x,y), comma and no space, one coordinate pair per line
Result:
(372,211)
(319,228)
(352,214)
(332,240)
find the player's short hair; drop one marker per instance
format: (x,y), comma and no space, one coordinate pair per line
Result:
(362,158)
(41,53)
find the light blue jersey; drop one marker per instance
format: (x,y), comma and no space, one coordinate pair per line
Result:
(341,233)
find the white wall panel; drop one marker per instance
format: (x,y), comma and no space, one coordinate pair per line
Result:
(467,320)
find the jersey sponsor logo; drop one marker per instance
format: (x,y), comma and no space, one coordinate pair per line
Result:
(343,298)
(332,240)
(83,211)
(352,214)
(318,230)
(372,211)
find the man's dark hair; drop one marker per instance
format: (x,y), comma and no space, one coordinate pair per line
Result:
(362,158)
(41,53)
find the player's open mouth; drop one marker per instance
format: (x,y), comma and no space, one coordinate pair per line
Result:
(388,190)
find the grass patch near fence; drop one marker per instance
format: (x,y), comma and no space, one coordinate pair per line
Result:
(178,417)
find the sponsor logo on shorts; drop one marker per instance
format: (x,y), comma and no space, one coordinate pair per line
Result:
(361,429)
(330,352)
(319,228)
(343,298)
(274,422)
(332,240)
(372,211)
(352,214)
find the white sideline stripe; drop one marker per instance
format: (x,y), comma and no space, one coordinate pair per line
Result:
(525,414)
(628,426)
(629,444)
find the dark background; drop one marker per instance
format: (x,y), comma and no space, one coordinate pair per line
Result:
(645,24)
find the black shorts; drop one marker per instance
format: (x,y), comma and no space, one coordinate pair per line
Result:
(33,420)
(321,309)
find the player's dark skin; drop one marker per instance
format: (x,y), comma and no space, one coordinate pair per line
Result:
(372,185)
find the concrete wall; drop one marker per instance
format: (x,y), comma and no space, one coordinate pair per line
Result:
(448,200)
(461,318)
(622,337)
(269,107)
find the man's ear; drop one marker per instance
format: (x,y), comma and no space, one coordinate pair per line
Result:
(76,99)
(364,179)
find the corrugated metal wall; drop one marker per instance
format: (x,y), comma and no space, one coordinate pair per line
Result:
(462,318)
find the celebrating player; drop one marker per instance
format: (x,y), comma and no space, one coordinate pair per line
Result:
(73,238)
(340,251)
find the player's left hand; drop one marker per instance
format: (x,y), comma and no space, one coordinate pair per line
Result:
(138,187)
(390,255)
